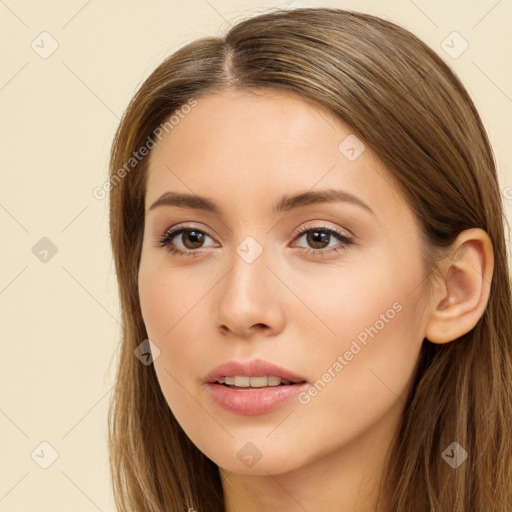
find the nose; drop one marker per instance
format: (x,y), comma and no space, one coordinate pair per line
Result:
(250,299)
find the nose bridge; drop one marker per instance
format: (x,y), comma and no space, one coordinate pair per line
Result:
(245,298)
(249,273)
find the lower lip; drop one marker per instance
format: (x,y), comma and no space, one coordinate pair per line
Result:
(253,401)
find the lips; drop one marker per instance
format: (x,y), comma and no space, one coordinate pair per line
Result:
(254,401)
(251,400)
(249,396)
(252,368)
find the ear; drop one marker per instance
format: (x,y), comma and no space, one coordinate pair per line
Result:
(461,297)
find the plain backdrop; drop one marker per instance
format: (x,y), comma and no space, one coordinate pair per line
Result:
(58,296)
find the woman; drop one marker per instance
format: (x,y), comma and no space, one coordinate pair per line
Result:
(309,241)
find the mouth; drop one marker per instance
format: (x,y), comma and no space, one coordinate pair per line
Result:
(253,388)
(249,395)
(250,382)
(252,374)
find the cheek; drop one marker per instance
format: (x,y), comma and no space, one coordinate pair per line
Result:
(171,301)
(369,352)
(371,305)
(164,317)
(358,383)
(168,297)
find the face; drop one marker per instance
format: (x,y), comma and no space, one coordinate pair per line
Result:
(329,289)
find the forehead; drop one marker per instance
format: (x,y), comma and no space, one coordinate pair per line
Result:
(244,146)
(249,119)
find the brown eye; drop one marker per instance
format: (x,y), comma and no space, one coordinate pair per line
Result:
(192,239)
(184,241)
(318,239)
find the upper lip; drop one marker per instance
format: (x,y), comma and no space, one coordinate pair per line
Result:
(252,368)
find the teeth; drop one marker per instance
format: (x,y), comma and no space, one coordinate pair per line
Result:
(273,380)
(244,381)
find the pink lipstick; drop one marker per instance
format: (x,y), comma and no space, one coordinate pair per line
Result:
(253,387)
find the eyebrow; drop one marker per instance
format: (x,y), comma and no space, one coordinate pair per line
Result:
(285,204)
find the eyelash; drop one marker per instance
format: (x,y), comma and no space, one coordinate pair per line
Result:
(168,236)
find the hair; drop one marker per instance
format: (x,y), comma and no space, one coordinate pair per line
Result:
(401,99)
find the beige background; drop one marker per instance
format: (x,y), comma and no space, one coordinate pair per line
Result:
(60,318)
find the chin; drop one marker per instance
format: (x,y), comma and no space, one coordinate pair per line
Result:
(253,458)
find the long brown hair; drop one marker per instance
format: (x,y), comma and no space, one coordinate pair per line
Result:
(404,102)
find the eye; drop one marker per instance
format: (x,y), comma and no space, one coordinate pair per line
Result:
(191,239)
(321,237)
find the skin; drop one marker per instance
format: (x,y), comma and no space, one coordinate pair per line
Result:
(245,150)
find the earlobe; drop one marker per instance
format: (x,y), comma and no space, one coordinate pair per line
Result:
(462,295)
